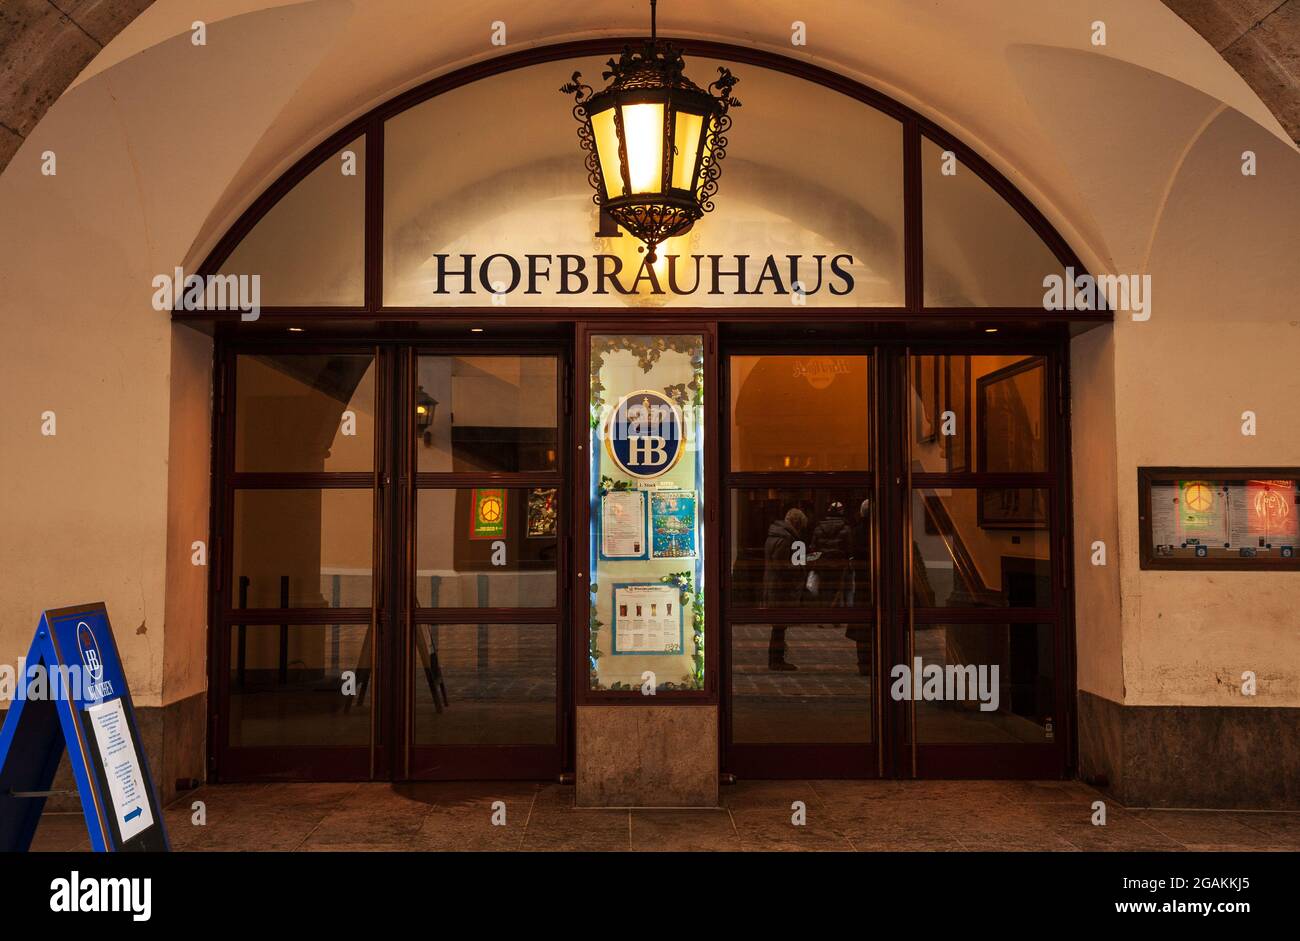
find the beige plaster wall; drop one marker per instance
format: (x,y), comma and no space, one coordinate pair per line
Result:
(189,462)
(1224,338)
(107,509)
(1098,631)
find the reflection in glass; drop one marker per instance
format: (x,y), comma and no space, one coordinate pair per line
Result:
(804,547)
(486,547)
(822,693)
(1009,410)
(286,685)
(487,413)
(302,549)
(960,560)
(304,413)
(485,684)
(997,683)
(978,413)
(799,413)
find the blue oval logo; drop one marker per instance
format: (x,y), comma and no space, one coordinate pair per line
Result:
(643,434)
(89,648)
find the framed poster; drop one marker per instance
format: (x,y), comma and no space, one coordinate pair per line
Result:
(1267,510)
(672,524)
(623,524)
(647,618)
(1202,512)
(542,511)
(487,518)
(1009,423)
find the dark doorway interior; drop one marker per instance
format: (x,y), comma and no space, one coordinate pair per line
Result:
(922,488)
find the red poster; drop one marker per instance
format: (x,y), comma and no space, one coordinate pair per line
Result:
(1271,507)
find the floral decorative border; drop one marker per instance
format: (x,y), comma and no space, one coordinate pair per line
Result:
(648,351)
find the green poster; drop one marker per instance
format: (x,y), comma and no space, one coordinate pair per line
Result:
(488,515)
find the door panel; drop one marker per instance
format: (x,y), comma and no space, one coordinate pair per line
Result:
(832,702)
(502,679)
(392,544)
(285,682)
(984,610)
(800,667)
(931,640)
(293,653)
(487,552)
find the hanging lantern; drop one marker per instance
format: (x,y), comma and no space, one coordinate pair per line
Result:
(654,140)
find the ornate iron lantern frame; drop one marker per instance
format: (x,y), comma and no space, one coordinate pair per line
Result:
(654,75)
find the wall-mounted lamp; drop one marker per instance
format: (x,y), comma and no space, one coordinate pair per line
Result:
(425,407)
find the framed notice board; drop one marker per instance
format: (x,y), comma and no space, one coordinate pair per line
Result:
(1219,518)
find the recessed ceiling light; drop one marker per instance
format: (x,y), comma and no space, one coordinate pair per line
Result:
(295,329)
(475,329)
(990,329)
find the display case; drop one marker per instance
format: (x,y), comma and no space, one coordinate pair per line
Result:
(647,619)
(1208,518)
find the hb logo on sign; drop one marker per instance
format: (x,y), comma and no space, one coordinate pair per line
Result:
(644,434)
(90,651)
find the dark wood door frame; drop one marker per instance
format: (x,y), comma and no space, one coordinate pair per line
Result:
(791,760)
(896,755)
(459,762)
(392,616)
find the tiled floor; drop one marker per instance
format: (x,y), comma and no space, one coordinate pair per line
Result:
(841,815)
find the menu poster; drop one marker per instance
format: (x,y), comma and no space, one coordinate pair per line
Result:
(622,524)
(1263,512)
(1202,512)
(672,524)
(647,619)
(126,784)
(1164,515)
(1215,517)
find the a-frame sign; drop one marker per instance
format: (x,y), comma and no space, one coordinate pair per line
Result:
(72,692)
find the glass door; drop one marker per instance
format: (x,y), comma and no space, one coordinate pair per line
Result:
(801,599)
(896,599)
(391,537)
(294,634)
(982,683)
(487,551)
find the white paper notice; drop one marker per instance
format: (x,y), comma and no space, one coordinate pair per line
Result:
(125,781)
(647,619)
(622,524)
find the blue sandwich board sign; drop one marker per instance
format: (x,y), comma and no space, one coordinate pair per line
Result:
(71,692)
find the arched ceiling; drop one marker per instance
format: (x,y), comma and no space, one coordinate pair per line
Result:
(45,45)
(1019,80)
